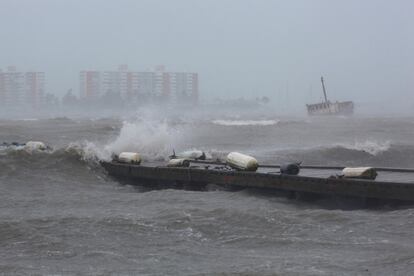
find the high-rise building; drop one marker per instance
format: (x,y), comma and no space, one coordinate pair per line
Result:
(90,85)
(35,89)
(132,84)
(133,87)
(2,90)
(19,90)
(118,83)
(184,87)
(13,88)
(146,83)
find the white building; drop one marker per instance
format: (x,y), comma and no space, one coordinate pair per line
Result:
(19,90)
(132,87)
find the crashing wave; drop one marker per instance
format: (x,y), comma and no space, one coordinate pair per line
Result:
(371,147)
(245,122)
(153,140)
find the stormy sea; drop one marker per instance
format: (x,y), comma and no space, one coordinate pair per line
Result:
(62,214)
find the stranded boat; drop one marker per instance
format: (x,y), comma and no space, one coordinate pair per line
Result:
(330,108)
(240,171)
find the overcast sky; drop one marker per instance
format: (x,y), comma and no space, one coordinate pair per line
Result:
(365,49)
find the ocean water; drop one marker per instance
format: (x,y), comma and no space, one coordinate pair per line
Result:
(61,214)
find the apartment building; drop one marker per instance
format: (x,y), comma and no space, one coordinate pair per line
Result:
(21,89)
(134,87)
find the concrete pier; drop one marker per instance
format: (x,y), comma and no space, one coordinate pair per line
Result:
(203,176)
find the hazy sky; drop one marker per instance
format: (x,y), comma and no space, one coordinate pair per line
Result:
(364,48)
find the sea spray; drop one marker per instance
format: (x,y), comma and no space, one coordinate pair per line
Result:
(154,140)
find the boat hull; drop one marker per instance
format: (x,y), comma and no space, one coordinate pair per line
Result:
(328,108)
(328,186)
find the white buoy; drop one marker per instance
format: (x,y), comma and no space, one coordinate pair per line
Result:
(129,157)
(241,161)
(360,172)
(192,154)
(35,146)
(179,162)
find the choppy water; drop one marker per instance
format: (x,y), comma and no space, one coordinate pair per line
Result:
(62,214)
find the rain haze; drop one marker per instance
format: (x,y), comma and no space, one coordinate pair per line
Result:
(277,49)
(189,137)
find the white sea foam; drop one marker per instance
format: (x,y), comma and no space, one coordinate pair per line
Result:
(245,122)
(371,147)
(28,119)
(30,147)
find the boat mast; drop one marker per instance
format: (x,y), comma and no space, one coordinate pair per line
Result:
(324,90)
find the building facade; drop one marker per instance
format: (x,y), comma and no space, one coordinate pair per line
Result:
(184,87)
(35,89)
(20,90)
(90,85)
(136,87)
